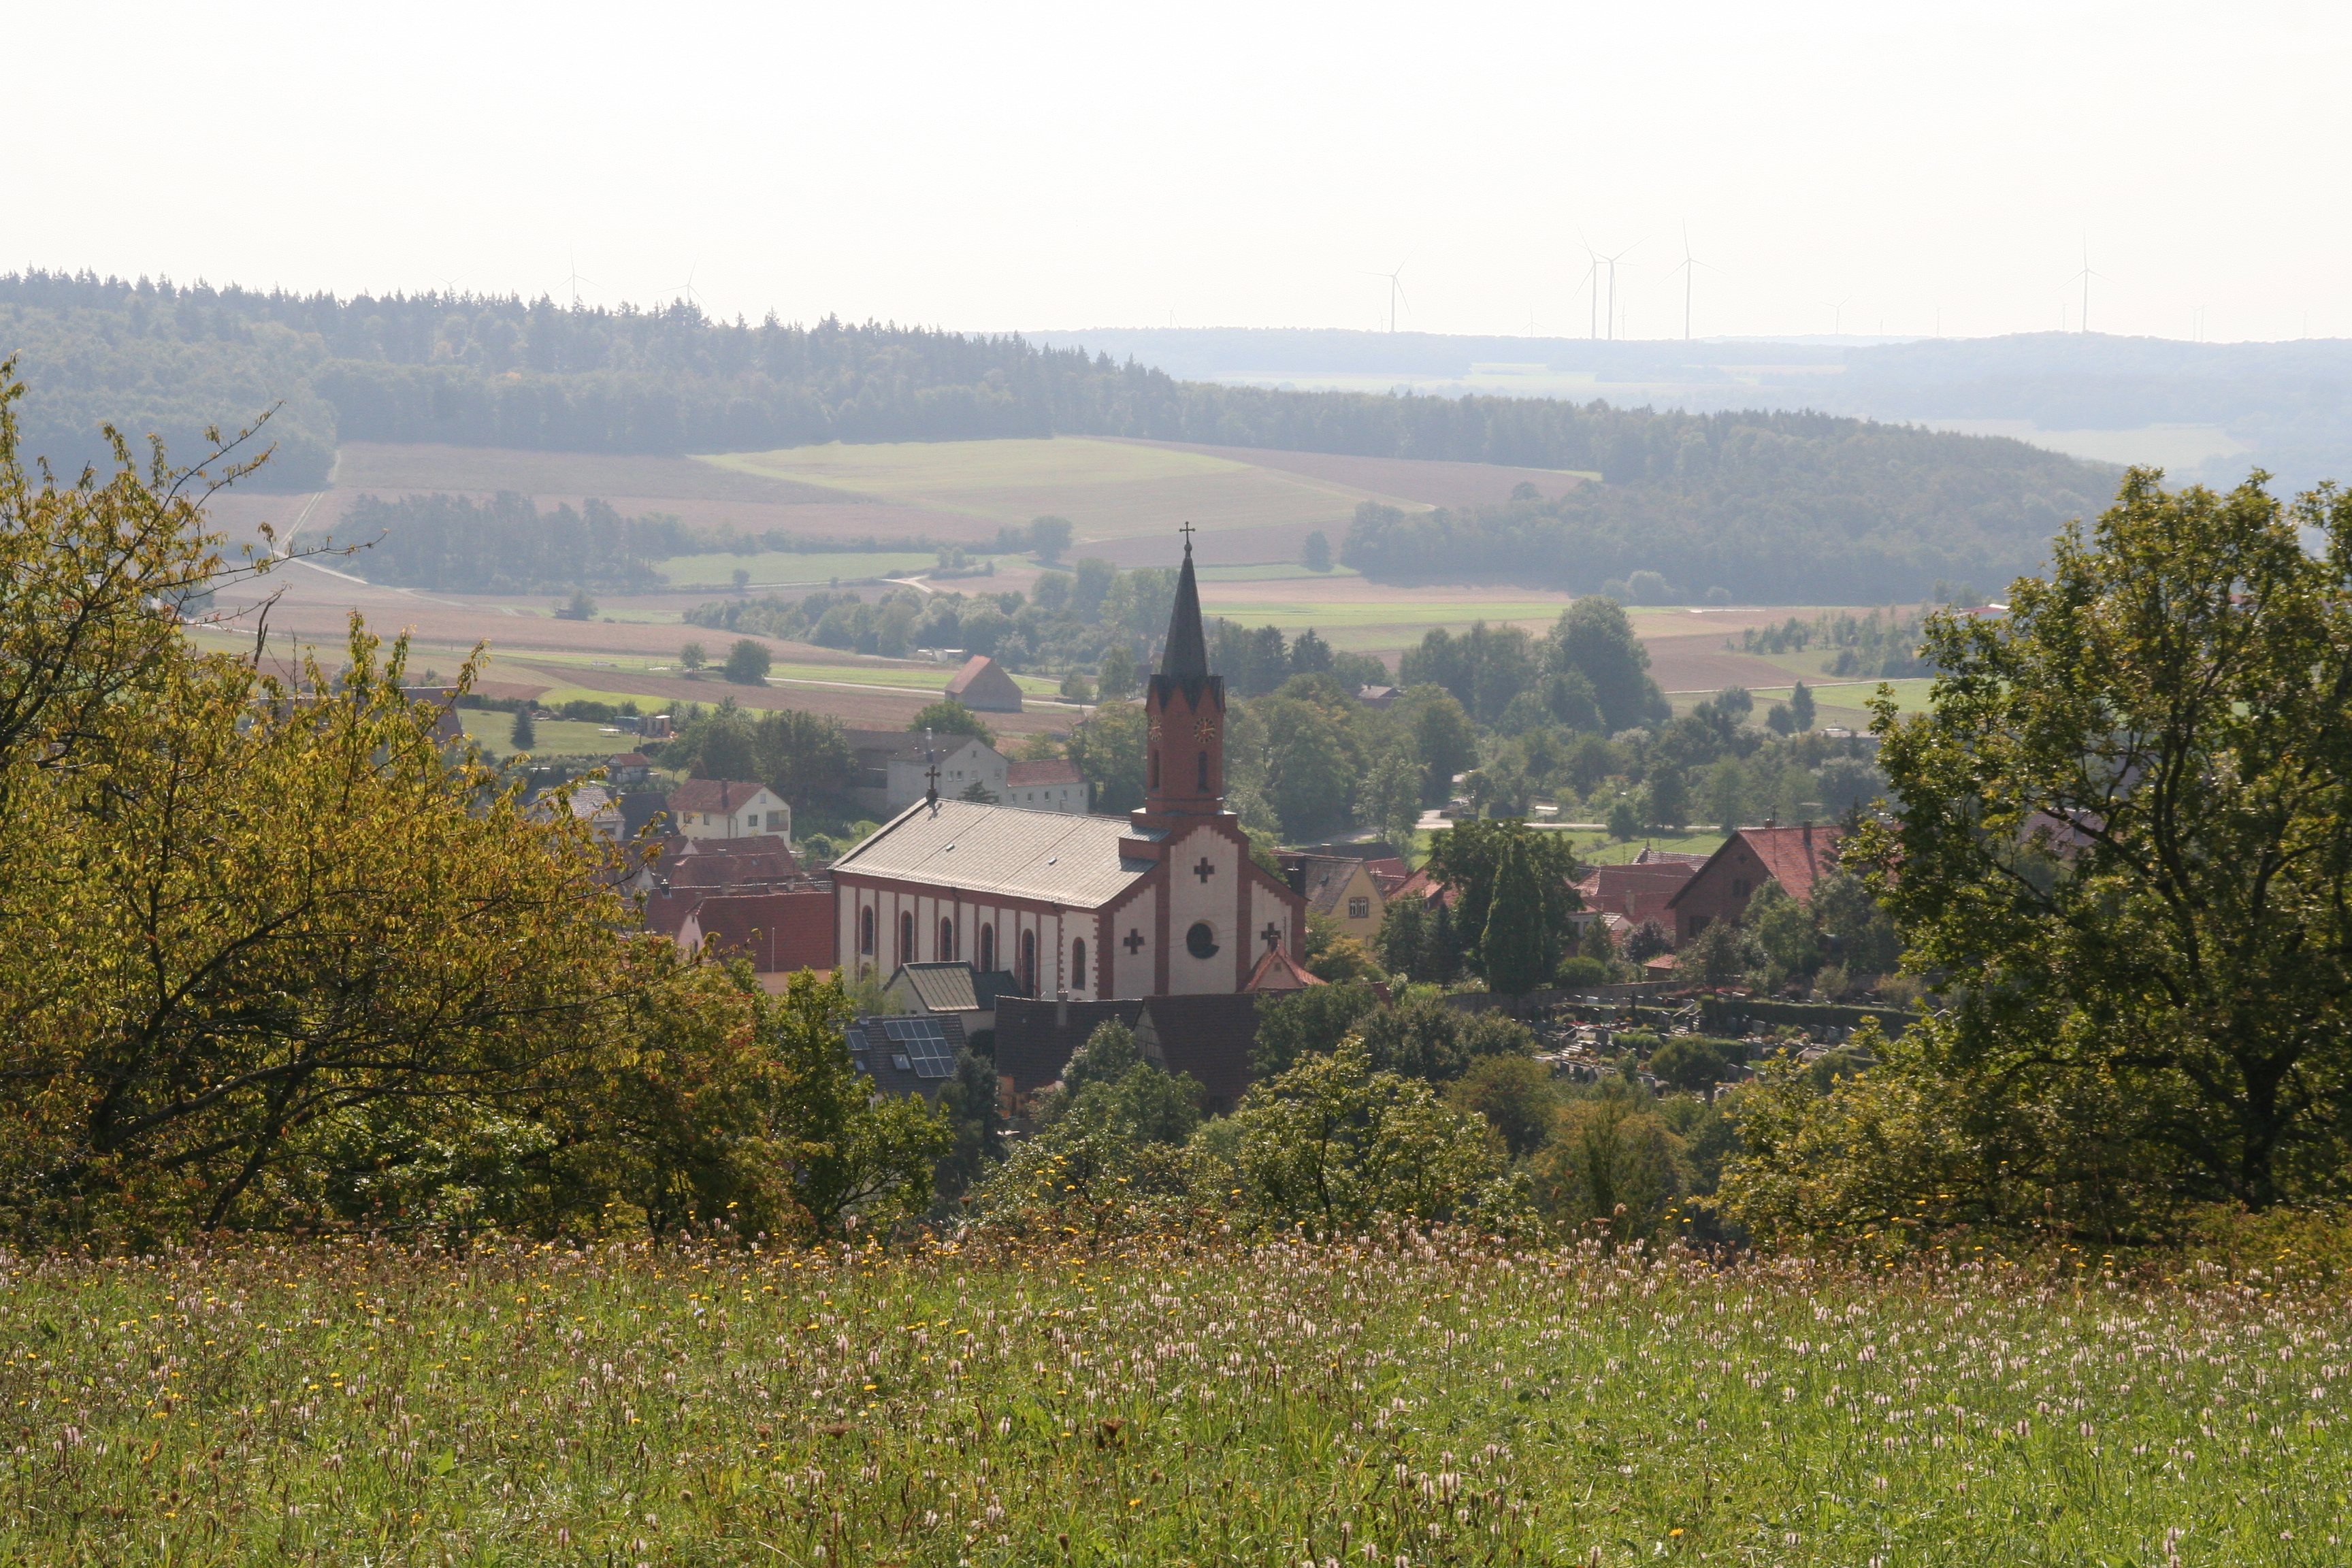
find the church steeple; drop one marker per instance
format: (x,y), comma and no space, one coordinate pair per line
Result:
(1187,652)
(1184,748)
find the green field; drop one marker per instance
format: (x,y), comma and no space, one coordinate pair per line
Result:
(784,568)
(1109,490)
(1836,702)
(1437,1404)
(1600,850)
(556,737)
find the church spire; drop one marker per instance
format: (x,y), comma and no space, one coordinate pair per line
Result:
(1185,713)
(1187,653)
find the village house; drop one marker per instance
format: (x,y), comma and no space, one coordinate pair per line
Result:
(1165,901)
(1343,891)
(1793,857)
(983,686)
(729,809)
(1209,1037)
(951,988)
(1052,785)
(780,934)
(1626,896)
(681,872)
(894,768)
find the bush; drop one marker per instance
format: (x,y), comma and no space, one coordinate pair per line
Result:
(1335,1146)
(1515,1097)
(748,663)
(1609,1172)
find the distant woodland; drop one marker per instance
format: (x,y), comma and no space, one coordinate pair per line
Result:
(1766,507)
(1798,505)
(507,545)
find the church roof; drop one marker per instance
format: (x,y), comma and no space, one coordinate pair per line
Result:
(1056,856)
(1187,653)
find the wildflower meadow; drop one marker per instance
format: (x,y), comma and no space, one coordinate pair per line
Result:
(1415,1401)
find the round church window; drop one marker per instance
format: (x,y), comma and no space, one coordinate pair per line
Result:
(1201,941)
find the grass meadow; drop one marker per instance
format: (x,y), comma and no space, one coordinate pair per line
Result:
(1418,1402)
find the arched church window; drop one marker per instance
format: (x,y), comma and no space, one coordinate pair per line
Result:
(907,938)
(987,946)
(1079,965)
(1205,773)
(1029,962)
(866,930)
(1155,770)
(947,940)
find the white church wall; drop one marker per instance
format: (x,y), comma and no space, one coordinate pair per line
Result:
(1210,901)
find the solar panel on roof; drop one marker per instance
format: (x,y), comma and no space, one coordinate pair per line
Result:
(925,1044)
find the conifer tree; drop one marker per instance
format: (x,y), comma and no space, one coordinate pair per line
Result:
(525,734)
(1517,949)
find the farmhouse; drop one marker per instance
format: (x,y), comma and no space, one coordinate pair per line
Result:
(1166,902)
(1793,857)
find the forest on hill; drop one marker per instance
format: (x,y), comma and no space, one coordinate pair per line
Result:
(1826,506)
(1766,508)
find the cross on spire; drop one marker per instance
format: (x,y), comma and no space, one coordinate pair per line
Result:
(1187,531)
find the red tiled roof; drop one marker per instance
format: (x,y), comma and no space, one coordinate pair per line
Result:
(1793,857)
(1422,886)
(982,685)
(1051,771)
(778,932)
(721,796)
(1636,890)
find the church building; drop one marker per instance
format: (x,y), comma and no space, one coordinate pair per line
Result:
(1166,902)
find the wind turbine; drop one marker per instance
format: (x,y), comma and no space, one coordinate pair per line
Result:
(1837,317)
(1612,263)
(1592,276)
(686,288)
(1689,269)
(577,278)
(1396,292)
(2084,277)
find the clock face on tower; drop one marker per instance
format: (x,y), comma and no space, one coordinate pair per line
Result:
(1204,730)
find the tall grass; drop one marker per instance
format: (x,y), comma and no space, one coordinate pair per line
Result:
(1417,1403)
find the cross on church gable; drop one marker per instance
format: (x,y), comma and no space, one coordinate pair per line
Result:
(1204,870)
(1132,941)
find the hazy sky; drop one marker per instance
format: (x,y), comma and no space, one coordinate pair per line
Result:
(1061,166)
